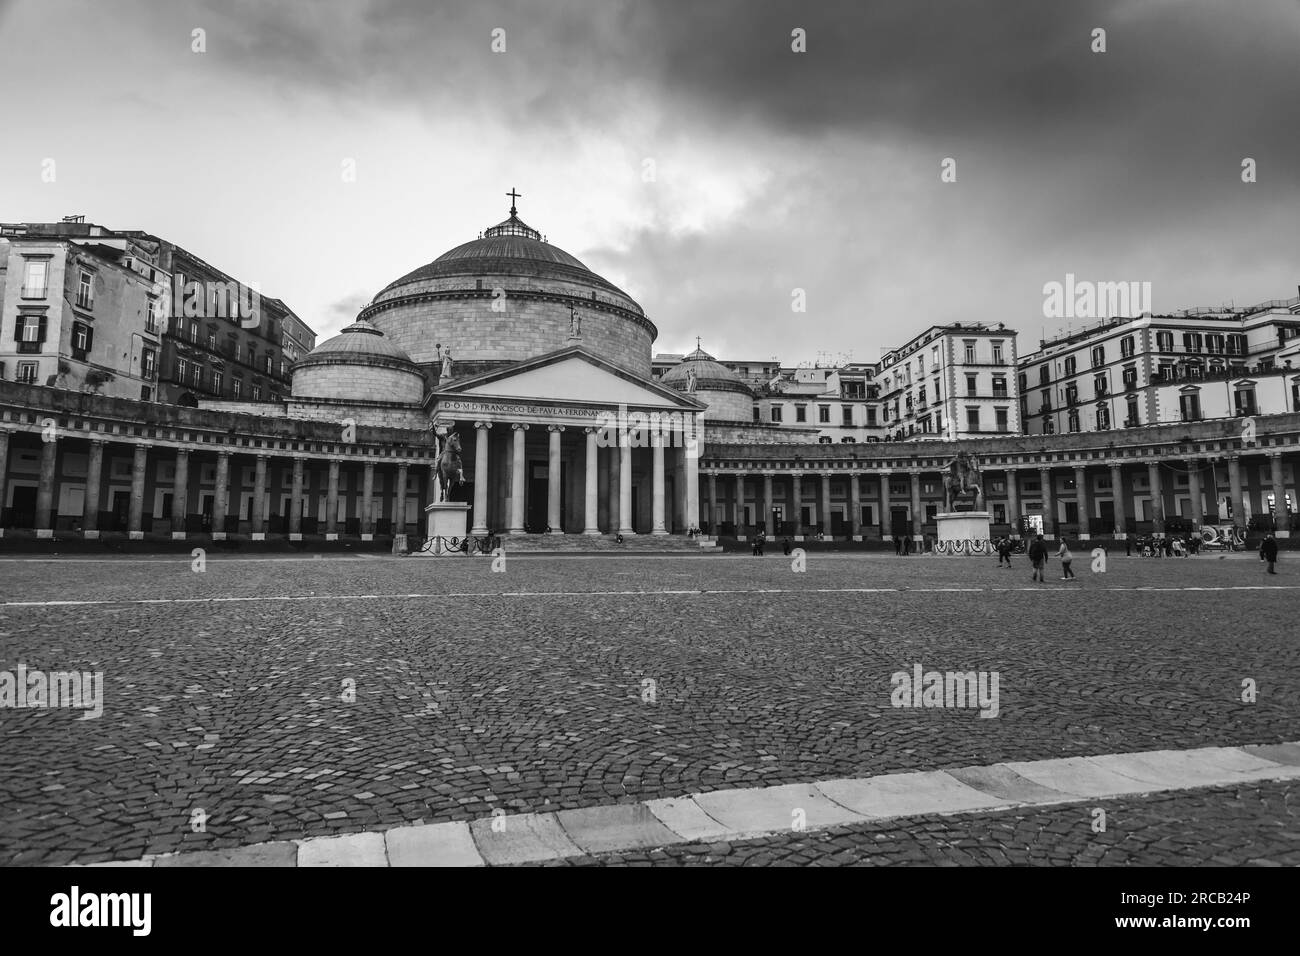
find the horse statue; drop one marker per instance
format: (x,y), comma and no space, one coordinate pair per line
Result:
(963,479)
(450,470)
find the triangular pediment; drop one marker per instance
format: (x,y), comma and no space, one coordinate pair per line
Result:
(570,376)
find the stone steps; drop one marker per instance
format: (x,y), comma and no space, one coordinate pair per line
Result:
(580,543)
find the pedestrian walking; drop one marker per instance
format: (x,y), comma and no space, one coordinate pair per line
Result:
(1038,558)
(898,545)
(1268,552)
(1063,552)
(1128,546)
(1004,551)
(786,546)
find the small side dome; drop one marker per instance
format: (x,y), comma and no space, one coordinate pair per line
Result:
(709,381)
(358,364)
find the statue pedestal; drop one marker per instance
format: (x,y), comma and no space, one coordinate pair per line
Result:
(963,532)
(447,520)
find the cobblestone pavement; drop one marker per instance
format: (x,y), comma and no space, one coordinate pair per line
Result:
(473,691)
(1257,825)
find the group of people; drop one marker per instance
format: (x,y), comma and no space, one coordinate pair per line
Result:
(1171,546)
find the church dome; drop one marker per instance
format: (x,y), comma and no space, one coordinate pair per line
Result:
(359,363)
(724,392)
(508,296)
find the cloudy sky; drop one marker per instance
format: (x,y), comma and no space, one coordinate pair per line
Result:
(682,149)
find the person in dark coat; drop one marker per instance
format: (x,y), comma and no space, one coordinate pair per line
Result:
(1268,552)
(1038,558)
(1004,551)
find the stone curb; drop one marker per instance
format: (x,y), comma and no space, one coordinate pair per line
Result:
(742,814)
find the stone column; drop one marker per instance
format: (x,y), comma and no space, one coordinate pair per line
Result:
(1117,496)
(796,506)
(180,494)
(917,516)
(1194,489)
(614,458)
(1281,523)
(1157,498)
(591,516)
(826,505)
(45,490)
(657,491)
(1049,502)
(482,436)
(1013,501)
(625,487)
(1238,498)
(94,479)
(332,502)
(368,501)
(886,529)
(767,504)
(135,511)
(1083,501)
(399,499)
(738,501)
(4,470)
(691,466)
(295,501)
(221,496)
(553,487)
(713,504)
(517,480)
(855,507)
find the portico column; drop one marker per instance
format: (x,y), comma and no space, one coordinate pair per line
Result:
(1234,484)
(1049,503)
(399,499)
(886,528)
(826,504)
(1157,498)
(45,490)
(94,475)
(691,462)
(481,438)
(917,516)
(657,491)
(367,501)
(767,504)
(259,496)
(1194,489)
(1117,497)
(1281,524)
(135,510)
(295,499)
(517,480)
(4,469)
(221,496)
(1082,501)
(180,493)
(332,501)
(553,488)
(796,498)
(614,464)
(624,486)
(1013,501)
(855,507)
(713,504)
(591,517)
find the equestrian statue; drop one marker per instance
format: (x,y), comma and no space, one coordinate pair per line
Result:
(451,473)
(963,479)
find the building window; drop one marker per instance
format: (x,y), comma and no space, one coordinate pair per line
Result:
(1236,345)
(1192,341)
(212,340)
(217,382)
(182,367)
(148,362)
(1071,393)
(997,353)
(198,375)
(1098,355)
(1214,344)
(973,419)
(1243,400)
(29,332)
(85,291)
(237,351)
(1044,374)
(1001,414)
(846,415)
(999,387)
(151,316)
(970,385)
(236,388)
(1074,419)
(871,415)
(800,413)
(27,372)
(194,332)
(1045,400)
(35,274)
(1126,346)
(1099,383)
(1130,376)
(1070,365)
(1189,404)
(1103,418)
(920,396)
(1167,371)
(83,337)
(146,393)
(1164,341)
(257,392)
(1132,419)
(1049,428)
(270,364)
(776,413)
(970,352)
